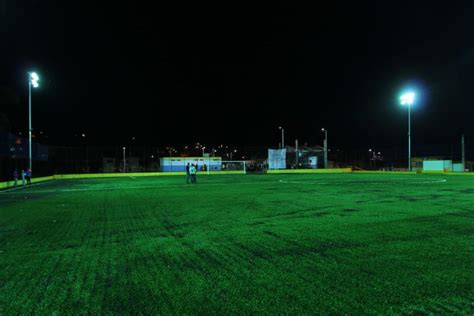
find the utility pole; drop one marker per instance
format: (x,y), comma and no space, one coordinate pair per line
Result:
(296,153)
(282,137)
(124,160)
(325,147)
(463,153)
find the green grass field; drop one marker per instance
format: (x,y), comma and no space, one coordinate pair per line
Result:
(320,243)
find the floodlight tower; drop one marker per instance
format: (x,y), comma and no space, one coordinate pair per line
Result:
(32,81)
(407,99)
(282,137)
(325,147)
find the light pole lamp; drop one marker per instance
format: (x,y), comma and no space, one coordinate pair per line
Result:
(325,147)
(32,81)
(407,99)
(124,160)
(282,137)
(373,156)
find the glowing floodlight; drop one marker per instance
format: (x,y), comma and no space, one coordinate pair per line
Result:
(407,98)
(34,79)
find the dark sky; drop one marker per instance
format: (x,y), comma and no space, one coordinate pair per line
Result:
(234,72)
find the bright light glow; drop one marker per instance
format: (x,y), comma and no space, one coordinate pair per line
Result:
(34,76)
(34,79)
(407,98)
(322,129)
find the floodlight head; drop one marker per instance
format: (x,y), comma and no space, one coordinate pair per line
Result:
(407,98)
(370,149)
(34,79)
(34,76)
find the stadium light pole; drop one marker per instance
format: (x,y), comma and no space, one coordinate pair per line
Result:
(407,99)
(325,147)
(282,137)
(32,82)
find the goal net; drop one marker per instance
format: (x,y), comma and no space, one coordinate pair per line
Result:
(235,166)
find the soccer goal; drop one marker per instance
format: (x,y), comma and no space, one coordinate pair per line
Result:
(234,166)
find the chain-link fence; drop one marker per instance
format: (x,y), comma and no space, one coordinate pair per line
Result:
(49,159)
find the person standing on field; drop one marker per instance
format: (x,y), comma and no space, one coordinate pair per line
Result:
(15,177)
(188,175)
(192,172)
(23,175)
(28,175)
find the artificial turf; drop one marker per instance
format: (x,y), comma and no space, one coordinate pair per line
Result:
(279,244)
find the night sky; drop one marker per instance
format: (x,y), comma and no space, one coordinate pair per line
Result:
(232,73)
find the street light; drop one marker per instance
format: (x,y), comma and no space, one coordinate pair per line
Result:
(83,135)
(325,147)
(282,137)
(124,161)
(373,156)
(32,81)
(407,99)
(203,150)
(232,152)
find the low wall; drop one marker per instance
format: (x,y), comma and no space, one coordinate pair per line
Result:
(11,184)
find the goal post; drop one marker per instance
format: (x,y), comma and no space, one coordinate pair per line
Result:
(234,166)
(206,164)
